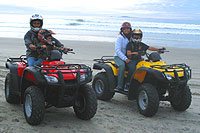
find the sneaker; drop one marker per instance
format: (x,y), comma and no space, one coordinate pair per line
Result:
(118,88)
(126,87)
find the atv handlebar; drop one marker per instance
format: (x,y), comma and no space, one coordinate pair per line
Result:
(153,56)
(67,50)
(162,50)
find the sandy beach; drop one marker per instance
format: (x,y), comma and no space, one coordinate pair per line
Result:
(116,116)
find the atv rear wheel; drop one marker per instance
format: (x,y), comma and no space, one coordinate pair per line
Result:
(85,105)
(101,87)
(182,101)
(147,100)
(34,105)
(10,97)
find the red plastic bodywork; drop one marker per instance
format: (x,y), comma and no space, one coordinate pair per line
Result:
(51,67)
(68,74)
(20,68)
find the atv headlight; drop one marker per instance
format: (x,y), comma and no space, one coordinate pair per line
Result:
(188,73)
(51,79)
(169,77)
(82,77)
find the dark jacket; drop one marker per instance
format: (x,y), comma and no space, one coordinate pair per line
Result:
(31,38)
(136,47)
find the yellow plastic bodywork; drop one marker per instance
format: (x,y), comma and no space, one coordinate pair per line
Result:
(167,70)
(140,75)
(115,69)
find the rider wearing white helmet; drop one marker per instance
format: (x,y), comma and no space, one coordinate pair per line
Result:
(31,41)
(36,22)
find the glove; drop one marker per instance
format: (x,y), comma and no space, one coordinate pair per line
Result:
(141,53)
(161,50)
(65,50)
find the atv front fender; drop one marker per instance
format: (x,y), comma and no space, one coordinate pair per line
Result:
(31,76)
(144,75)
(109,73)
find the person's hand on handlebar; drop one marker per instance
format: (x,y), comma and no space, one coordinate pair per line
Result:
(161,50)
(65,50)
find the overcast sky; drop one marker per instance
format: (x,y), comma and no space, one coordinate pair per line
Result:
(174,9)
(78,4)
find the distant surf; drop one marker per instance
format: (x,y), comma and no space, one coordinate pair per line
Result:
(104,28)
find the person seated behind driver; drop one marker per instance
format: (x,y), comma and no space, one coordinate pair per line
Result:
(134,50)
(120,53)
(31,41)
(54,48)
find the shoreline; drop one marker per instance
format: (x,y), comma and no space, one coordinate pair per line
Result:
(99,41)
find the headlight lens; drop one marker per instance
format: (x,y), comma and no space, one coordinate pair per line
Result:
(169,77)
(51,79)
(82,77)
(188,73)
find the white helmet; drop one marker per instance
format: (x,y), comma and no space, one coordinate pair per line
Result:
(34,18)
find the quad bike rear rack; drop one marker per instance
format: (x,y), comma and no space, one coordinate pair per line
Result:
(106,59)
(22,58)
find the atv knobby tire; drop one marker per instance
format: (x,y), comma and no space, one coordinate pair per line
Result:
(85,105)
(183,100)
(34,105)
(100,85)
(147,100)
(9,95)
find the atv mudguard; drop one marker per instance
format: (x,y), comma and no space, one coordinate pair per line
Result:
(144,75)
(109,73)
(14,77)
(31,76)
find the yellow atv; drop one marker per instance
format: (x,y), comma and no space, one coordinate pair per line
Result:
(152,82)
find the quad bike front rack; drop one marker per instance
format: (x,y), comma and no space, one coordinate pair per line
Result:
(66,69)
(175,69)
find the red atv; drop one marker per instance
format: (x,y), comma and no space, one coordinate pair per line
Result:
(54,83)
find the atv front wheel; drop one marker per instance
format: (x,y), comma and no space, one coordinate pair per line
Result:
(34,105)
(148,100)
(85,105)
(10,97)
(101,87)
(183,100)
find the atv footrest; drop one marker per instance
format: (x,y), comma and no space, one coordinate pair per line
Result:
(122,92)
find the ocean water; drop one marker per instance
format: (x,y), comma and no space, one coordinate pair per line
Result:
(104,28)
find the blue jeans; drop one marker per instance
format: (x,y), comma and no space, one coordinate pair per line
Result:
(121,66)
(131,69)
(34,61)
